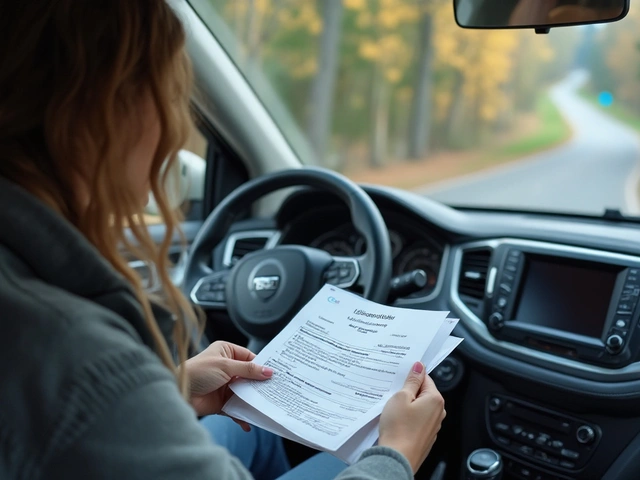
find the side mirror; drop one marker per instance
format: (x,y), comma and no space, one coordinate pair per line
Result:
(540,15)
(185,183)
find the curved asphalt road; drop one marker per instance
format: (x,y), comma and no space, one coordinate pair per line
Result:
(596,168)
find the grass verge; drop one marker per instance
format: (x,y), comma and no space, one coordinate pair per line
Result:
(550,130)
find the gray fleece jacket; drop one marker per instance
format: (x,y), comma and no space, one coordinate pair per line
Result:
(82,395)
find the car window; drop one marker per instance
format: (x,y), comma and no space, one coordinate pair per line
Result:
(187,184)
(393,92)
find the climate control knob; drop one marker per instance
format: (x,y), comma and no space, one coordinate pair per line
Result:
(614,344)
(496,321)
(585,434)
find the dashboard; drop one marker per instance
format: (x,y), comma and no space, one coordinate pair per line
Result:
(549,370)
(329,228)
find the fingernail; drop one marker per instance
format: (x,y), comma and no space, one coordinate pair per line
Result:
(267,372)
(417,367)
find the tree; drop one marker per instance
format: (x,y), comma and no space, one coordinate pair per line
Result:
(420,125)
(323,86)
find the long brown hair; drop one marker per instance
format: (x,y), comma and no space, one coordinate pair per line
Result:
(70,71)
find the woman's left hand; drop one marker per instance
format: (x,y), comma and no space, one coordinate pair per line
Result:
(211,371)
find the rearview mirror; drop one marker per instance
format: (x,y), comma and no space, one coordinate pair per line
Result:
(538,14)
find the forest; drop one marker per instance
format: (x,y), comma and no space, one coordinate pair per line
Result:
(360,84)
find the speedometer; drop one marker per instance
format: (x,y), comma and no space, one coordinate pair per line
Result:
(337,247)
(334,244)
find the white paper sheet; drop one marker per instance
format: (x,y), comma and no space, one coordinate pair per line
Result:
(336,364)
(352,448)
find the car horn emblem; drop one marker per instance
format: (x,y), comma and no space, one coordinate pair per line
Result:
(266,286)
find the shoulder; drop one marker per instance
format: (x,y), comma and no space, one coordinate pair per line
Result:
(63,359)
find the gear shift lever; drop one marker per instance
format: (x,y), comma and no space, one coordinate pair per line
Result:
(484,464)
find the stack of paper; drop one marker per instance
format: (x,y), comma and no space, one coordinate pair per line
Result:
(335,366)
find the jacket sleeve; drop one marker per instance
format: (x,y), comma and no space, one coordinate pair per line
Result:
(134,424)
(379,463)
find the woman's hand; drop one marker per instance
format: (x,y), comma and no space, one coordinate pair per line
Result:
(211,371)
(411,418)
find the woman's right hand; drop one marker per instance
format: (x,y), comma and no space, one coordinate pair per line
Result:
(411,418)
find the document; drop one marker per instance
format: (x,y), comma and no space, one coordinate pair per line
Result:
(335,366)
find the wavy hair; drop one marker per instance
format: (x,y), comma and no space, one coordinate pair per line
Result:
(70,72)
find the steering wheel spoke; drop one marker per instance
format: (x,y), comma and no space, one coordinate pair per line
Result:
(210,291)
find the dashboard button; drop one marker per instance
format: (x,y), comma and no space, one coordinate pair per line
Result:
(525,472)
(503,440)
(517,429)
(619,331)
(496,321)
(502,427)
(542,439)
(625,306)
(585,434)
(495,404)
(525,449)
(567,464)
(615,344)
(621,323)
(556,444)
(540,455)
(570,454)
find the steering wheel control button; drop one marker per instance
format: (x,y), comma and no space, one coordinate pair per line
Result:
(585,434)
(342,273)
(615,344)
(210,291)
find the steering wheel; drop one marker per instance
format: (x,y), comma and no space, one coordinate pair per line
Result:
(266,288)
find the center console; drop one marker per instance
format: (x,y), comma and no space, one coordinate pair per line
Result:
(549,439)
(574,304)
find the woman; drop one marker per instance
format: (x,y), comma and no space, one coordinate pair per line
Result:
(94,99)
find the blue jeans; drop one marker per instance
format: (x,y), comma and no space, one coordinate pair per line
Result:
(262,453)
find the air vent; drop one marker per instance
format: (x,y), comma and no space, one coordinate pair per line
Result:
(242,244)
(473,273)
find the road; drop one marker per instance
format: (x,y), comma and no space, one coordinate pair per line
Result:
(594,170)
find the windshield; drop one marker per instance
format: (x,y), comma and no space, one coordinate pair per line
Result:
(393,92)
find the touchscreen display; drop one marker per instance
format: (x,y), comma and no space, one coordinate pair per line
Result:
(569,296)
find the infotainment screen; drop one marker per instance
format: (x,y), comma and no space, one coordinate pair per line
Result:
(566,295)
